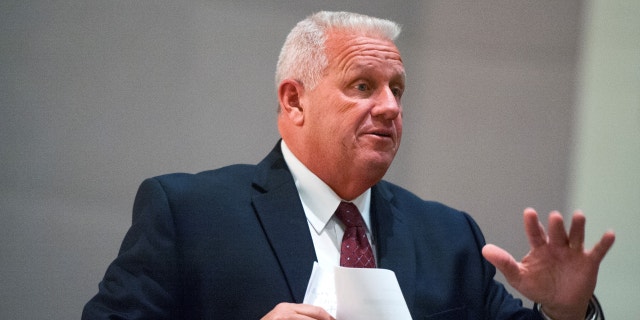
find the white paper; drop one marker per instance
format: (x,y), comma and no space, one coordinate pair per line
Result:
(321,290)
(357,293)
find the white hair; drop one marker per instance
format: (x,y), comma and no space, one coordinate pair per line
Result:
(303,55)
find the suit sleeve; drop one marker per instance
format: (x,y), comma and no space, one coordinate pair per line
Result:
(140,283)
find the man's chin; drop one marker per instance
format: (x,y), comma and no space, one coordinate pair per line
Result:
(380,161)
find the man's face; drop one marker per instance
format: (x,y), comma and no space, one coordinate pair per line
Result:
(353,116)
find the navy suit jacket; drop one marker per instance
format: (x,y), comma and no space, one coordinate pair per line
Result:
(234,242)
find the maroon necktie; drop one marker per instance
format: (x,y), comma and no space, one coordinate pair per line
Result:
(355,251)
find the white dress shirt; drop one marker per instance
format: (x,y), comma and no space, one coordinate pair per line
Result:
(320,203)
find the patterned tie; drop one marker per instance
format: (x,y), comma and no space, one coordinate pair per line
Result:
(355,251)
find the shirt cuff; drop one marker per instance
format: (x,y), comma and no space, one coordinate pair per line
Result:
(594,311)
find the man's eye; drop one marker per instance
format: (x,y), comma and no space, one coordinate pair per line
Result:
(396,92)
(362,87)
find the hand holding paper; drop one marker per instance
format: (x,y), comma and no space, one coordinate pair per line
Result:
(357,293)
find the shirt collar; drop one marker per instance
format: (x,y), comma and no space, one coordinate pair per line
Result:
(319,200)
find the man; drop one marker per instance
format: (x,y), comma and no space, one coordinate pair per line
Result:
(239,242)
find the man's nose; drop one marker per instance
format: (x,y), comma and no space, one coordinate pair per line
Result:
(387,105)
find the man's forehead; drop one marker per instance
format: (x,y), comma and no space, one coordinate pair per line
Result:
(343,46)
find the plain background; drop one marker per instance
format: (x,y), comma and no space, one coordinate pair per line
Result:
(504,109)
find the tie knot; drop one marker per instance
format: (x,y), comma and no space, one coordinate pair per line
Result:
(348,214)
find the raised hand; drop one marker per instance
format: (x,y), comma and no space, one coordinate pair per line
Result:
(557,272)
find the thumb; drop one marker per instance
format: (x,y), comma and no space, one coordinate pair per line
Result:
(503,261)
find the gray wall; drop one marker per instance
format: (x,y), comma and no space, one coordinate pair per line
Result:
(97,95)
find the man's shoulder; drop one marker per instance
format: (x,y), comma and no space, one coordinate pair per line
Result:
(414,207)
(221,178)
(431,215)
(402,196)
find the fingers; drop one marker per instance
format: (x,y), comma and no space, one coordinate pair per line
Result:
(602,247)
(534,229)
(296,311)
(557,234)
(576,232)
(503,261)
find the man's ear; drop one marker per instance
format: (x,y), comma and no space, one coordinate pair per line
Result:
(290,97)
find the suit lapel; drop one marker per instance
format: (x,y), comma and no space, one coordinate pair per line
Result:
(396,250)
(280,212)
